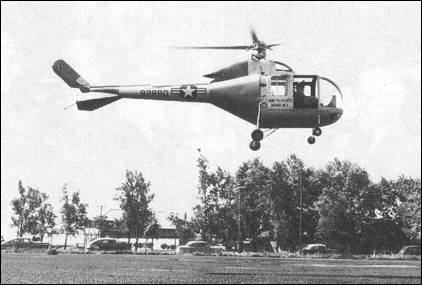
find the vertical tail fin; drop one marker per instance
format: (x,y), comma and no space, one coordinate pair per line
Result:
(70,76)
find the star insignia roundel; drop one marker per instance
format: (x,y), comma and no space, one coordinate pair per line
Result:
(188,92)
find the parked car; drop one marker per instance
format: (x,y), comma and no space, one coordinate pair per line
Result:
(219,246)
(23,243)
(410,250)
(107,244)
(316,248)
(198,247)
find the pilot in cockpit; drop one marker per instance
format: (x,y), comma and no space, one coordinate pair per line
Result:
(301,100)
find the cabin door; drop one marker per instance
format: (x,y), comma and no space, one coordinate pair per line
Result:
(279,93)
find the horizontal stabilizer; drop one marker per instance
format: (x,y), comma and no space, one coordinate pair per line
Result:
(94,104)
(70,76)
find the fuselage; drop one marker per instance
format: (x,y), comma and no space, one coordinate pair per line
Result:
(243,97)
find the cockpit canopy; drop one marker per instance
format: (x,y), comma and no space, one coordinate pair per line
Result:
(325,90)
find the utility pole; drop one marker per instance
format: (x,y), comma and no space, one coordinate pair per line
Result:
(101,209)
(100,217)
(238,224)
(300,214)
(239,235)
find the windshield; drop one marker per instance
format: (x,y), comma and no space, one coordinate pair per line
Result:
(330,93)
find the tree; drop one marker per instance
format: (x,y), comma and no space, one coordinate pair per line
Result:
(291,196)
(119,226)
(33,214)
(407,207)
(184,228)
(151,230)
(21,212)
(213,217)
(254,201)
(282,207)
(74,215)
(343,205)
(103,225)
(45,218)
(134,200)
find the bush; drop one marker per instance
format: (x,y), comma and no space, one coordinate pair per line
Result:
(173,247)
(164,246)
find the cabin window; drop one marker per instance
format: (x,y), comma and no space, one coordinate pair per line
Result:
(278,87)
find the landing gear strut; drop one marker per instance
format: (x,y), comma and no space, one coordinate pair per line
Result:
(257,135)
(316,132)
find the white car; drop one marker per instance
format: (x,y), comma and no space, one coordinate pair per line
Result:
(198,247)
(220,246)
(316,248)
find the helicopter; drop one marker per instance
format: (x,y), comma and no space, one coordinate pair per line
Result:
(266,93)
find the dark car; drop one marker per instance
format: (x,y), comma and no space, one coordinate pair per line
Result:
(23,243)
(316,248)
(410,250)
(105,244)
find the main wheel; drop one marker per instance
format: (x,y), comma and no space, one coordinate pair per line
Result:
(311,140)
(257,135)
(254,145)
(317,131)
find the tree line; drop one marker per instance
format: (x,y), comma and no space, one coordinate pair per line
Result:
(291,204)
(33,214)
(288,204)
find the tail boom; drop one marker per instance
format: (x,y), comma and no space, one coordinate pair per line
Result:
(183,93)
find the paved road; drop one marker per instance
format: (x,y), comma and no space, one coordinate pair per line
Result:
(78,268)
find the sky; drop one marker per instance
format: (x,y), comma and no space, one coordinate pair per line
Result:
(372,50)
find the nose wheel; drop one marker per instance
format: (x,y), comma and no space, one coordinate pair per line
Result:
(317,131)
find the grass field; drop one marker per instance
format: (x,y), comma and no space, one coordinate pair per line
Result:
(97,268)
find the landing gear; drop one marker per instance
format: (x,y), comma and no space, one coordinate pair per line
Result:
(257,135)
(255,145)
(317,131)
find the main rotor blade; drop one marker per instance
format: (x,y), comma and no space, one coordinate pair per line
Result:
(270,46)
(254,36)
(217,47)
